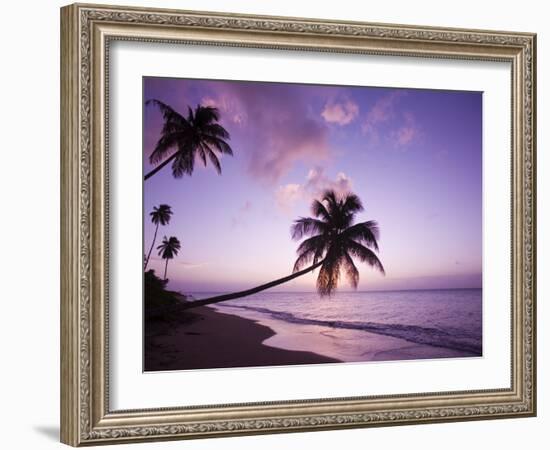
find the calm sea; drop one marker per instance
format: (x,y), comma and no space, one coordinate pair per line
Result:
(450,319)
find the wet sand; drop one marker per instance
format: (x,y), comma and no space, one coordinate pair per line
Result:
(346,345)
(207,339)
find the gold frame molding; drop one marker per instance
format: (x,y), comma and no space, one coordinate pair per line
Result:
(86,31)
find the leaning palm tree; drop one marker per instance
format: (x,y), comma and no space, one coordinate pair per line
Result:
(184,138)
(159,216)
(334,241)
(168,249)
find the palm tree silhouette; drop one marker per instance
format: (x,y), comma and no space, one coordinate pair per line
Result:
(333,243)
(198,134)
(335,240)
(159,216)
(168,249)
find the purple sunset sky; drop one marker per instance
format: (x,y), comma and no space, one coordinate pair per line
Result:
(414,157)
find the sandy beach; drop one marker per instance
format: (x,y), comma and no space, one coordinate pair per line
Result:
(208,339)
(205,338)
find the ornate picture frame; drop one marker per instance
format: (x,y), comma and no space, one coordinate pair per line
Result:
(87,31)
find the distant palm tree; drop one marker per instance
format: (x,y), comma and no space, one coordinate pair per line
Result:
(168,249)
(159,216)
(335,240)
(184,138)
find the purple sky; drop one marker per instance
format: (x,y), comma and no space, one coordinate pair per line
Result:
(414,157)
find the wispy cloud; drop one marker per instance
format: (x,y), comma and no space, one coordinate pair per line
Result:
(227,105)
(382,111)
(406,133)
(287,195)
(189,265)
(387,123)
(316,183)
(341,113)
(182,264)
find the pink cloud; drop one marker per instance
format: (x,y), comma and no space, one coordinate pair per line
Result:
(211,101)
(407,133)
(316,183)
(177,262)
(286,196)
(228,106)
(303,140)
(280,129)
(382,111)
(341,113)
(385,124)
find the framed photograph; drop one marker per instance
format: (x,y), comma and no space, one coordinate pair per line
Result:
(275,224)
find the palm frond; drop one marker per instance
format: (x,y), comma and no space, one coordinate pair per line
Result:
(184,163)
(320,210)
(351,204)
(303,260)
(190,115)
(216,131)
(205,115)
(168,113)
(329,275)
(161,214)
(202,154)
(173,126)
(352,274)
(213,158)
(364,232)
(305,226)
(365,255)
(330,197)
(169,247)
(218,144)
(310,250)
(163,148)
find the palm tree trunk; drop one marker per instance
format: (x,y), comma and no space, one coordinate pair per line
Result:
(263,287)
(160,166)
(151,249)
(165,269)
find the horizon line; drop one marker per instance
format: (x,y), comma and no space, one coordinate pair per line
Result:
(357,292)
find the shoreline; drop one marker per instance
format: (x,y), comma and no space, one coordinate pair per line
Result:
(370,346)
(209,339)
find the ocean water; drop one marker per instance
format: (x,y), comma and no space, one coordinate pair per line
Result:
(447,319)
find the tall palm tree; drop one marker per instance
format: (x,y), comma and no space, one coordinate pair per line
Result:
(335,239)
(184,138)
(168,249)
(159,216)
